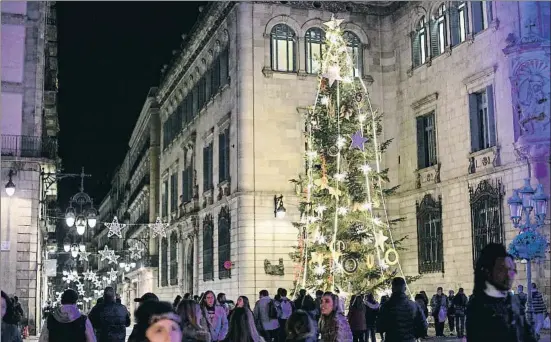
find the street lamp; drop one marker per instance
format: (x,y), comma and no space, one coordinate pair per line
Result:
(10,186)
(70,217)
(81,212)
(529,244)
(66,245)
(74,251)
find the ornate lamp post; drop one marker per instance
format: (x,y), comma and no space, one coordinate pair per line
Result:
(530,244)
(81,212)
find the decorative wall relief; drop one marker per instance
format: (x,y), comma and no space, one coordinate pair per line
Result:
(276,270)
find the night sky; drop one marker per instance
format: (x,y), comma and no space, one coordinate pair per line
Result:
(110,54)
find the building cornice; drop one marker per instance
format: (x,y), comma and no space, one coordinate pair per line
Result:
(143,119)
(378,8)
(200,34)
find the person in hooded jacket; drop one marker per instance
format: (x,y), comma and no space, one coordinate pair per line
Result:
(110,318)
(66,323)
(371,313)
(10,331)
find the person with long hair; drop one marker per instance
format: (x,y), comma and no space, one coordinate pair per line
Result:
(243,302)
(300,328)
(242,327)
(10,332)
(176,301)
(356,318)
(333,324)
(192,331)
(371,313)
(214,317)
(493,313)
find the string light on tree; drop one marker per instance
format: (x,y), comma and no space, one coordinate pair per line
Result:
(115,228)
(345,234)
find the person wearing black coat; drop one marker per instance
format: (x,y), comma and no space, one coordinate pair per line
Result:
(110,318)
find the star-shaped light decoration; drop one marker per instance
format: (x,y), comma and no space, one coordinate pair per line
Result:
(333,73)
(114,259)
(106,254)
(136,252)
(358,141)
(112,275)
(319,269)
(80,286)
(84,256)
(333,23)
(81,293)
(89,275)
(380,239)
(159,228)
(115,228)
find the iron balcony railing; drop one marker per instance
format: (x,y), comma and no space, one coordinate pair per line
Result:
(29,146)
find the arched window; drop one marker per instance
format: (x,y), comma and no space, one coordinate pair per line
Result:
(354,46)
(314,39)
(429,235)
(224,242)
(164,262)
(174,259)
(438,32)
(419,43)
(208,249)
(459,22)
(486,215)
(283,48)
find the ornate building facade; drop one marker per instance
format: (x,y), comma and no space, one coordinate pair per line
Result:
(28,146)
(450,78)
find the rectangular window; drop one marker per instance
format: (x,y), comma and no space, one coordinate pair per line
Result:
(208,87)
(215,76)
(189,112)
(201,93)
(441,35)
(195,92)
(187,184)
(426,141)
(224,155)
(174,192)
(313,57)
(462,12)
(479,16)
(224,67)
(164,208)
(207,168)
(423,46)
(283,55)
(430,242)
(482,120)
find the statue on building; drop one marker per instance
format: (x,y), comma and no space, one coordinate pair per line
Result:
(533,98)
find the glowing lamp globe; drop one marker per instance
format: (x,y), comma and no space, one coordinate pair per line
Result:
(10,188)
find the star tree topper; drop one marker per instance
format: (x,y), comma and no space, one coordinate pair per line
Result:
(159,228)
(333,23)
(115,228)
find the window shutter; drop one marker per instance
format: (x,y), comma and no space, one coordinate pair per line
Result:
(421,144)
(189,107)
(211,157)
(205,168)
(454,25)
(415,50)
(491,115)
(195,100)
(434,50)
(473,119)
(477,16)
(184,186)
(221,150)
(208,81)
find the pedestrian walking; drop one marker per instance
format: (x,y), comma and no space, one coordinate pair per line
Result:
(493,313)
(110,318)
(539,309)
(285,309)
(190,315)
(265,315)
(242,327)
(451,312)
(522,299)
(301,328)
(214,317)
(333,325)
(400,318)
(371,313)
(460,301)
(439,310)
(156,322)
(66,323)
(10,331)
(356,318)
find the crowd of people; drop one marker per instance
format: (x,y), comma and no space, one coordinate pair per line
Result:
(491,313)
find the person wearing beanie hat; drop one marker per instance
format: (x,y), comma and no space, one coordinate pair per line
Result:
(67,323)
(156,322)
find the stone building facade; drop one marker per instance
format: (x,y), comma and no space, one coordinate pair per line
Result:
(28,146)
(134,200)
(444,75)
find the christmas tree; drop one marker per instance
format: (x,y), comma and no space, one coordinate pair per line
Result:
(345,234)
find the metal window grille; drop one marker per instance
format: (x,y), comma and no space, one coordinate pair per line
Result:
(429,235)
(208,249)
(173,259)
(224,242)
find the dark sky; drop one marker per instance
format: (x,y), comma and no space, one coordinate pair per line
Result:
(110,54)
